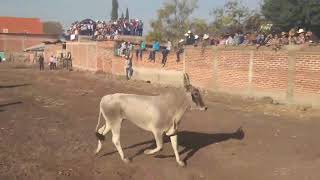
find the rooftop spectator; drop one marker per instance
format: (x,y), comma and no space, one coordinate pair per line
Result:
(101,30)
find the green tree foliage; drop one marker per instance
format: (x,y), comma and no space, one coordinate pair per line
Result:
(199,26)
(287,14)
(122,16)
(230,18)
(127,14)
(173,20)
(114,11)
(52,27)
(254,22)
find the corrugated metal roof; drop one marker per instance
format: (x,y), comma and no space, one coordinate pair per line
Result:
(39,47)
(21,25)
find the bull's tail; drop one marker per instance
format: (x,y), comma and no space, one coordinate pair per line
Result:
(100,137)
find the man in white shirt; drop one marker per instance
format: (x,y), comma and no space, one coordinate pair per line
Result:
(51,61)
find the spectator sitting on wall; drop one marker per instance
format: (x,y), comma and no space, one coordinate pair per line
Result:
(311,38)
(230,41)
(292,36)
(196,40)
(190,39)
(275,42)
(260,39)
(284,39)
(205,42)
(301,37)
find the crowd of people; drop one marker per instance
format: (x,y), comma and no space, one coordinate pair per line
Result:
(101,30)
(127,49)
(274,40)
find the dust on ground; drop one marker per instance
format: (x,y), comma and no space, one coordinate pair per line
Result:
(47,123)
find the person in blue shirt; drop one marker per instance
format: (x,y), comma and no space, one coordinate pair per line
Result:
(155,49)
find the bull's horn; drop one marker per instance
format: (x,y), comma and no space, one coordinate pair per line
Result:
(187,80)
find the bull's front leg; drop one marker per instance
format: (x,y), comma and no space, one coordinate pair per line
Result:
(174,143)
(159,141)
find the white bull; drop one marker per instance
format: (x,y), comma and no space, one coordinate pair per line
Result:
(158,114)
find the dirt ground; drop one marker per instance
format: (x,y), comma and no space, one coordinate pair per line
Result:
(47,122)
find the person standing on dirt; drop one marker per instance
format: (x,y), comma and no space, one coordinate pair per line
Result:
(41,63)
(51,62)
(129,70)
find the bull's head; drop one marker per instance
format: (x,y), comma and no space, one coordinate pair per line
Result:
(194,96)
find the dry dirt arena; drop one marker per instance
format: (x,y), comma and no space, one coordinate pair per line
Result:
(47,123)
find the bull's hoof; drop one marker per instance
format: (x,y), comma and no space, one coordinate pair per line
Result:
(181,163)
(148,152)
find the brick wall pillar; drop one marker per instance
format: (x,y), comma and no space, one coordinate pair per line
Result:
(216,57)
(250,72)
(291,75)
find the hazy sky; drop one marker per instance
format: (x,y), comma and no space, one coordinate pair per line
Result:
(67,11)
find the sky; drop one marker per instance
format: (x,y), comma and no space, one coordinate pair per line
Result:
(68,11)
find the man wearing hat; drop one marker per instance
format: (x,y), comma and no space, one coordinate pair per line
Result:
(292,36)
(190,39)
(205,42)
(301,37)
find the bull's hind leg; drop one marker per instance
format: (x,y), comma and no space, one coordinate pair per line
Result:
(159,141)
(174,143)
(116,140)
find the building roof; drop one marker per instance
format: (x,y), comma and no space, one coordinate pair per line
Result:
(39,47)
(21,25)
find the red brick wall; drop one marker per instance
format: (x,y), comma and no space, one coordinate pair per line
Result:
(236,70)
(270,70)
(13,43)
(307,78)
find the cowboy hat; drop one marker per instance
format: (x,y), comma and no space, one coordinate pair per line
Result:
(283,33)
(196,37)
(186,34)
(189,32)
(181,40)
(205,36)
(300,31)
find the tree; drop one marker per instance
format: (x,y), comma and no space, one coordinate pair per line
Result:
(254,22)
(287,14)
(199,26)
(114,11)
(127,14)
(230,18)
(173,20)
(122,16)
(52,27)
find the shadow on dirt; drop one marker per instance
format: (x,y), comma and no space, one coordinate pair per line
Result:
(190,141)
(14,86)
